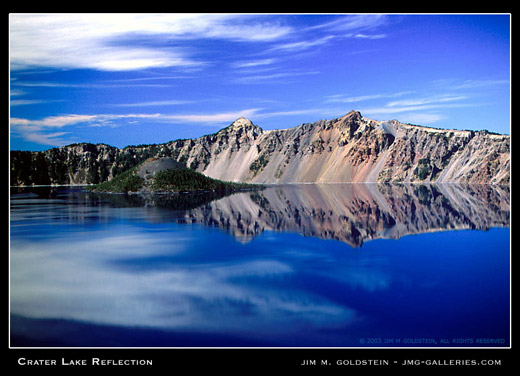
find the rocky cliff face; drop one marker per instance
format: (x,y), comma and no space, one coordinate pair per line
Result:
(347,149)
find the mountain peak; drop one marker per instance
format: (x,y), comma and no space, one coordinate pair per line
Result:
(353,115)
(241,122)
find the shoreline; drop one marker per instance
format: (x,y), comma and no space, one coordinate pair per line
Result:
(289,183)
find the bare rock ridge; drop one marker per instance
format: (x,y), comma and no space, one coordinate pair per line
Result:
(351,148)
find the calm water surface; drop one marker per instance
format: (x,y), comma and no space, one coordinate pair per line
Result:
(343,265)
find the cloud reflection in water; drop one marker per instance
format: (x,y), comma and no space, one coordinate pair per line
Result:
(240,266)
(129,276)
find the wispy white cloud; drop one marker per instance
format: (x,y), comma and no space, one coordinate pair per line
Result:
(38,130)
(42,131)
(301,45)
(92,85)
(423,118)
(53,121)
(172,102)
(310,39)
(84,280)
(455,84)
(16,92)
(370,36)
(473,84)
(426,100)
(49,139)
(253,63)
(95,40)
(358,22)
(402,109)
(45,84)
(216,118)
(264,115)
(259,78)
(152,78)
(349,99)
(23,102)
(419,110)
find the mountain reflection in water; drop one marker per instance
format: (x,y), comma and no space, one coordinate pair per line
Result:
(351,213)
(126,270)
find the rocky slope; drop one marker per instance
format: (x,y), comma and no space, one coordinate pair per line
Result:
(347,149)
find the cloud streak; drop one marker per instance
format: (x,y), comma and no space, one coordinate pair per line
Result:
(254,63)
(95,41)
(172,102)
(302,45)
(342,99)
(422,110)
(38,130)
(270,77)
(349,23)
(417,109)
(57,122)
(427,100)
(97,276)
(23,102)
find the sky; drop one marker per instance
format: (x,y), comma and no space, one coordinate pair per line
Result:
(129,79)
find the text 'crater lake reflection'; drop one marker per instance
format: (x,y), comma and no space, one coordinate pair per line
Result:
(317,265)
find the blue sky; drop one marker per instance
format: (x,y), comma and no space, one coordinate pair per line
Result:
(128,79)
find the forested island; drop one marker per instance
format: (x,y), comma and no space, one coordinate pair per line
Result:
(163,175)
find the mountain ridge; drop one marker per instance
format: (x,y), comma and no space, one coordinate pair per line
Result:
(350,148)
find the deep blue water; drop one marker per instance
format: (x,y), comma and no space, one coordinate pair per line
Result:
(294,266)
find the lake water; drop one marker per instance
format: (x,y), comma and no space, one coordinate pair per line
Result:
(339,265)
